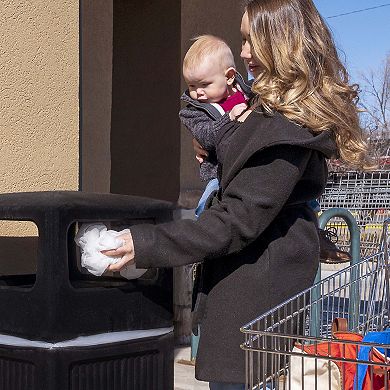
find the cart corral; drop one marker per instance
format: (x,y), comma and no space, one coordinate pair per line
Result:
(367,197)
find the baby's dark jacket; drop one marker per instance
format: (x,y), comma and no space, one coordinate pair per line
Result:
(204,121)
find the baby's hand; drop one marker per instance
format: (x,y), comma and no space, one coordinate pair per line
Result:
(237,110)
(201,154)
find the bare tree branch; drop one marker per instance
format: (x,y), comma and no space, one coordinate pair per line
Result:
(375,99)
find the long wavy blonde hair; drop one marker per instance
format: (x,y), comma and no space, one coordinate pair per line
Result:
(302,76)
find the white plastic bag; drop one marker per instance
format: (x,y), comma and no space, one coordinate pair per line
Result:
(310,373)
(92,239)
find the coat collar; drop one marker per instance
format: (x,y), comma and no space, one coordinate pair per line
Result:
(260,131)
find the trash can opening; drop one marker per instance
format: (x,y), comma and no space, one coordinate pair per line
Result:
(87,265)
(19,254)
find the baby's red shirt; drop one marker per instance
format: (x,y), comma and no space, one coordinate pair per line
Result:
(237,98)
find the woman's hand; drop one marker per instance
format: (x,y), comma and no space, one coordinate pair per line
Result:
(126,251)
(201,154)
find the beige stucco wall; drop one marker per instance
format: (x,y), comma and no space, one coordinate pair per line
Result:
(39,87)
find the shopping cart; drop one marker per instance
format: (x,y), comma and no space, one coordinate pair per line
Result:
(366,196)
(282,347)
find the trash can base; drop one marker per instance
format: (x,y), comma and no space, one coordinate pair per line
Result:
(141,364)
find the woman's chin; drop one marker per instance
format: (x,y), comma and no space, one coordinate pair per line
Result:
(255,71)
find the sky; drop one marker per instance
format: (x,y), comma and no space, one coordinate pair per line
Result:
(363,38)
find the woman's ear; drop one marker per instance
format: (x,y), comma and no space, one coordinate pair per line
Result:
(230,74)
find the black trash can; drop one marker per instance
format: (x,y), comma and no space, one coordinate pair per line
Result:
(65,329)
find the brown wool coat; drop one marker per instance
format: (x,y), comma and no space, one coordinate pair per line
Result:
(258,240)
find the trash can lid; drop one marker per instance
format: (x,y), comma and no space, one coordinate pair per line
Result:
(78,203)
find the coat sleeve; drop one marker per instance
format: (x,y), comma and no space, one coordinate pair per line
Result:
(202,127)
(248,205)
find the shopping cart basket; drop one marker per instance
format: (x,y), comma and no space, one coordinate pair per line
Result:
(366,196)
(276,342)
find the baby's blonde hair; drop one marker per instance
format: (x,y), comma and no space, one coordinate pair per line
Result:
(208,46)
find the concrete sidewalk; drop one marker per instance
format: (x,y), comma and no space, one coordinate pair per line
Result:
(185,373)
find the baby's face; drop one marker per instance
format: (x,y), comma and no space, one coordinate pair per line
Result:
(207,83)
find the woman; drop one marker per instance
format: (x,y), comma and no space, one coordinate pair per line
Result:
(257,240)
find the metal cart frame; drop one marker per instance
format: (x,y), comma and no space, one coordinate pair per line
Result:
(359,293)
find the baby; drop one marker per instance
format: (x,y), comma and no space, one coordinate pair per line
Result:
(216,95)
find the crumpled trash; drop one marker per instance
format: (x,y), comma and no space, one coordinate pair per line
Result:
(92,239)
